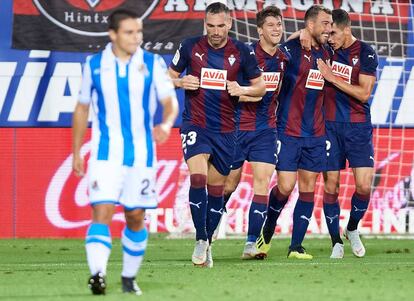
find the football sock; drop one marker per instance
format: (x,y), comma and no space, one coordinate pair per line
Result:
(198,204)
(214,208)
(98,244)
(332,213)
(275,206)
(134,244)
(359,205)
(257,214)
(301,218)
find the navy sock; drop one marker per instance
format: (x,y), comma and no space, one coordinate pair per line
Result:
(257,214)
(359,205)
(214,208)
(301,218)
(198,206)
(225,201)
(276,203)
(332,213)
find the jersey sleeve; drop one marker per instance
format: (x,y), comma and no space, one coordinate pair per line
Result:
(180,60)
(85,93)
(162,81)
(287,49)
(249,63)
(369,61)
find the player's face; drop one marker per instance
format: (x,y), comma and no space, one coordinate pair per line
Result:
(322,27)
(272,30)
(337,37)
(217,28)
(128,37)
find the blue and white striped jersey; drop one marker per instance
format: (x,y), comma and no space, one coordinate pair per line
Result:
(123,97)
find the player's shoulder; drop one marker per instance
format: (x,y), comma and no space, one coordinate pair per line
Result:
(189,42)
(239,44)
(366,48)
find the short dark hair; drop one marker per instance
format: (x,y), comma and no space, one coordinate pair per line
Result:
(341,18)
(314,11)
(217,8)
(270,11)
(119,15)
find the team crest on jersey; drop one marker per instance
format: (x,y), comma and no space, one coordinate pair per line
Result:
(282,66)
(342,70)
(213,79)
(95,185)
(315,80)
(271,80)
(355,60)
(232,60)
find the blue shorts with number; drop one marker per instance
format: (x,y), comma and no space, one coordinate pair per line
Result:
(255,146)
(308,153)
(220,146)
(350,141)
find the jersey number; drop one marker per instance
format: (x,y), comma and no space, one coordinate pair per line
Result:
(188,139)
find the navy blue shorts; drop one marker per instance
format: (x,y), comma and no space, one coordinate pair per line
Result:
(220,146)
(308,153)
(350,141)
(255,146)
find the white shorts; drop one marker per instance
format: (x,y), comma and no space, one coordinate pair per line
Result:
(133,187)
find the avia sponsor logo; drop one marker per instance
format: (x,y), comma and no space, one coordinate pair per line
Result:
(88,17)
(342,70)
(271,80)
(315,80)
(214,79)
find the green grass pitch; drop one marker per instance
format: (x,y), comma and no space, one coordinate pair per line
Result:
(57,270)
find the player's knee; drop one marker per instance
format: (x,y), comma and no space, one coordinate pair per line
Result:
(363,188)
(135,219)
(229,188)
(285,188)
(198,180)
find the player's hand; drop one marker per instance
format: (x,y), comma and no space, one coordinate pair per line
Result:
(245,98)
(78,166)
(235,89)
(305,39)
(161,133)
(326,70)
(190,82)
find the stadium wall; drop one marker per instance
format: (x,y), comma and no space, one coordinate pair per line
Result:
(40,197)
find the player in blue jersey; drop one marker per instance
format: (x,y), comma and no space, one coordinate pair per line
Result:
(121,85)
(256,136)
(351,76)
(301,132)
(215,65)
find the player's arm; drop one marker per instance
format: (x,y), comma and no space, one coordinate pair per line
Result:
(256,89)
(187,82)
(304,36)
(362,91)
(79,126)
(162,131)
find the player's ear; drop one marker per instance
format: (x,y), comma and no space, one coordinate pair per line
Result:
(112,35)
(229,22)
(259,31)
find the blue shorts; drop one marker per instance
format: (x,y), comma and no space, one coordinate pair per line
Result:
(255,146)
(308,153)
(350,141)
(220,146)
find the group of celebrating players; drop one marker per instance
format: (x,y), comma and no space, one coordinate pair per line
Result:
(300,107)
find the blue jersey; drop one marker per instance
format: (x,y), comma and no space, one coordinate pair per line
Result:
(211,106)
(349,63)
(262,115)
(123,97)
(300,112)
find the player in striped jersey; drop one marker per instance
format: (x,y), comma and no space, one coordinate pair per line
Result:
(301,132)
(351,77)
(215,65)
(121,84)
(256,136)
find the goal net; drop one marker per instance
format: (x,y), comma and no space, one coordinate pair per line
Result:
(388,27)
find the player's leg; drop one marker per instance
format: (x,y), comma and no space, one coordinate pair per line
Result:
(134,243)
(360,154)
(262,174)
(332,211)
(232,181)
(104,184)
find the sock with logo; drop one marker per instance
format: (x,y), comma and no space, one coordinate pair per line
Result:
(257,215)
(332,213)
(98,244)
(134,244)
(214,208)
(301,218)
(198,204)
(359,205)
(277,202)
